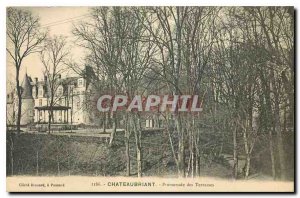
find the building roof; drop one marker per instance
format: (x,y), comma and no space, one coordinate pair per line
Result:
(27,83)
(53,108)
(26,87)
(69,80)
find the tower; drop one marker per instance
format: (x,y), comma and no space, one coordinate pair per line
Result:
(27,113)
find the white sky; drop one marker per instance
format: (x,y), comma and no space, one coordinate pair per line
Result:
(59,21)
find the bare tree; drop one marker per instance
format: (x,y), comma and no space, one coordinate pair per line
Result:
(23,38)
(120,48)
(53,58)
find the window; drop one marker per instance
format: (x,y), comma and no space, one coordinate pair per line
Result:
(33,92)
(59,92)
(80,82)
(41,92)
(40,102)
(78,104)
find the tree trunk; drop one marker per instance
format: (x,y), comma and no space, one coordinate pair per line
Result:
(50,111)
(247,151)
(197,152)
(137,132)
(247,166)
(271,148)
(235,154)
(181,156)
(37,163)
(193,162)
(19,93)
(58,165)
(114,130)
(104,123)
(127,156)
(49,121)
(139,161)
(127,144)
(69,164)
(267,96)
(271,141)
(12,154)
(171,141)
(278,128)
(197,165)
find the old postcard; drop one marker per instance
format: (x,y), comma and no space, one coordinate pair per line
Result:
(150,99)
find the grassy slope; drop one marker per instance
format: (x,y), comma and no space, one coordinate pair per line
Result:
(63,155)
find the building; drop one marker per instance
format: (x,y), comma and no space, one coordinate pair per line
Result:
(69,101)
